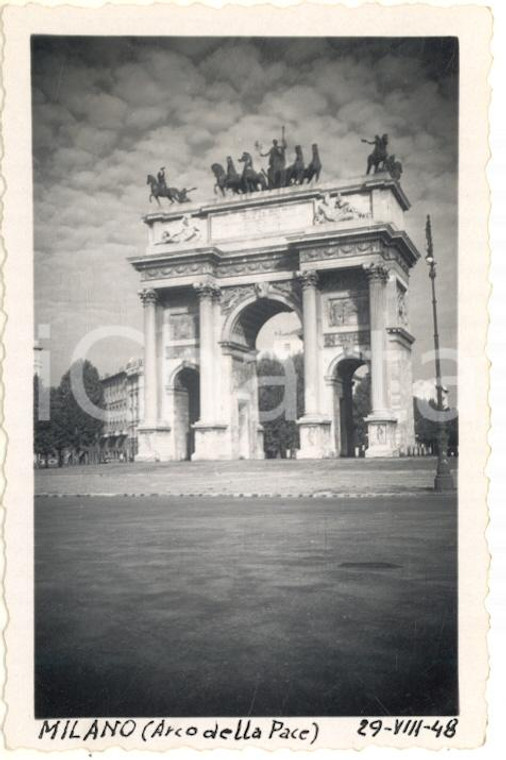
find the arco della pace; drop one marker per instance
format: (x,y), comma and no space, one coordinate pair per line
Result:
(212,274)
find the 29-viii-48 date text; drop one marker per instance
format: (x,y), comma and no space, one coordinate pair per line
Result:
(408,727)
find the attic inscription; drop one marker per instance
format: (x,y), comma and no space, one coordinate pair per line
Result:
(346,340)
(262,221)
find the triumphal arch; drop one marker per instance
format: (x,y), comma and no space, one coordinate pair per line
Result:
(337,255)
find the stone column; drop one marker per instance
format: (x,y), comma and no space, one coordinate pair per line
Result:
(309,282)
(154,435)
(207,294)
(149,299)
(381,422)
(377,276)
(209,433)
(314,428)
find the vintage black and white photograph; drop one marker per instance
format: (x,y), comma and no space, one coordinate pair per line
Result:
(268,217)
(245,384)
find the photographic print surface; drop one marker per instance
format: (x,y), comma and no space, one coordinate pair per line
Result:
(215,632)
(247,288)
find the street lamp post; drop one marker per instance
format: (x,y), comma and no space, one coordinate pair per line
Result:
(443,480)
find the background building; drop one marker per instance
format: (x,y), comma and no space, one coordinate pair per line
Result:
(123,410)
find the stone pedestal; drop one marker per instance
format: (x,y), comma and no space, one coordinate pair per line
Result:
(314,433)
(381,429)
(211,441)
(155,444)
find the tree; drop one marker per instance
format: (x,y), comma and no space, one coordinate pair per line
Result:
(75,428)
(43,434)
(427,430)
(281,434)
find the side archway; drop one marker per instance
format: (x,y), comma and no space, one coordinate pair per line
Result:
(348,429)
(185,385)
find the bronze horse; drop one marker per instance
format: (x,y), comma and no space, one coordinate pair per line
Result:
(250,179)
(313,170)
(295,173)
(226,180)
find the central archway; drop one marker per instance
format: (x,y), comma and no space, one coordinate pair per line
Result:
(241,333)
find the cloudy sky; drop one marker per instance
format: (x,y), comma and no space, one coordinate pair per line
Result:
(108,111)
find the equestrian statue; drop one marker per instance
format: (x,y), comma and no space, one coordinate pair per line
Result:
(380,160)
(159,189)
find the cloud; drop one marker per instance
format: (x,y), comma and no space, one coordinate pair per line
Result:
(109,111)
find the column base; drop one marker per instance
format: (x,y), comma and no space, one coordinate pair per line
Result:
(381,432)
(211,441)
(314,434)
(155,443)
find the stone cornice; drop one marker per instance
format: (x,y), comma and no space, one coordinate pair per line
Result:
(300,251)
(371,239)
(401,333)
(237,349)
(168,257)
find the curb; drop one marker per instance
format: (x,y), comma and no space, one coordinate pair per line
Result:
(240,495)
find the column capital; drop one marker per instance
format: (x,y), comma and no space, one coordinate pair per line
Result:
(376,272)
(147,296)
(308,279)
(207,290)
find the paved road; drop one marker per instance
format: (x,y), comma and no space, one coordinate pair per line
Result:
(198,607)
(266,477)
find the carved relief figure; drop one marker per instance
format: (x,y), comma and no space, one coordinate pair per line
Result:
(233,296)
(325,210)
(336,209)
(347,311)
(187,231)
(402,308)
(262,289)
(380,434)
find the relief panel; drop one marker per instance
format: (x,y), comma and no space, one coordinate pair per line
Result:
(182,327)
(349,311)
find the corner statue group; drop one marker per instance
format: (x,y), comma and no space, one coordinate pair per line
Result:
(159,189)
